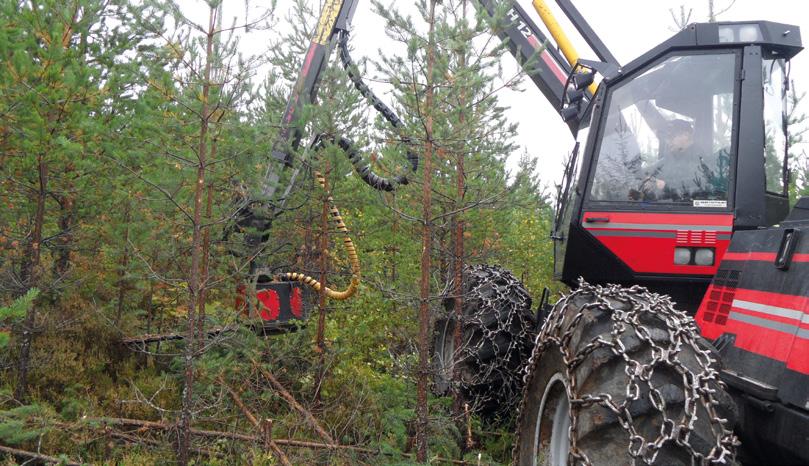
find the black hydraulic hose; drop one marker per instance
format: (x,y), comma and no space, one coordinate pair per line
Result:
(364,169)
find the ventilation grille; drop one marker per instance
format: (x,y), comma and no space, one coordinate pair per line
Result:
(696,237)
(720,298)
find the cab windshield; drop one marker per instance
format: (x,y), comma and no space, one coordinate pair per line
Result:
(667,134)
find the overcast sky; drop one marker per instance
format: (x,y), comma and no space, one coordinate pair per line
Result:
(627,27)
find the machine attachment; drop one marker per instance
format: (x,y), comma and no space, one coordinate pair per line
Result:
(280,301)
(256,214)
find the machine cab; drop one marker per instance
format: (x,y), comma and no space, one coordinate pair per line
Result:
(686,145)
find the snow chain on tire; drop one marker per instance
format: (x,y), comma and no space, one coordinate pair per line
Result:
(498,330)
(640,383)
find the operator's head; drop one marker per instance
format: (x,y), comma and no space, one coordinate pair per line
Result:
(679,135)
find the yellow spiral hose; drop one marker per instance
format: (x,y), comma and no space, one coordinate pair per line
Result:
(352,255)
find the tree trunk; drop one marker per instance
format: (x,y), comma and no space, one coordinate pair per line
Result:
(124,264)
(206,253)
(445,261)
(457,396)
(147,302)
(66,219)
(29,276)
(213,51)
(426,240)
(195,283)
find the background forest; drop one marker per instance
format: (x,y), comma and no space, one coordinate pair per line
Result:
(129,133)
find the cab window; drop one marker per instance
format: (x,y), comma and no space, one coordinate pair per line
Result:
(775,129)
(667,134)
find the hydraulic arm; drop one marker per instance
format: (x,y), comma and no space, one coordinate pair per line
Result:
(258,213)
(332,29)
(335,16)
(549,68)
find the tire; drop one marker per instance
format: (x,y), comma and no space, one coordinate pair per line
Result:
(498,331)
(611,361)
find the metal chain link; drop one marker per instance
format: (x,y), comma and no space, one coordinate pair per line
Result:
(499,331)
(627,308)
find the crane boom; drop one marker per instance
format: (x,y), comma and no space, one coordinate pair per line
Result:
(335,16)
(547,66)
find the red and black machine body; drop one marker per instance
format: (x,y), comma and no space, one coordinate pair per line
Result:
(277,305)
(756,312)
(718,78)
(721,240)
(714,232)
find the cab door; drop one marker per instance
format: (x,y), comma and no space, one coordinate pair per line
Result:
(659,194)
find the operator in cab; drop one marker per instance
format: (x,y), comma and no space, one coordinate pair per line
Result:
(684,171)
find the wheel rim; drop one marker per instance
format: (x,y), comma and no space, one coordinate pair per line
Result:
(551,437)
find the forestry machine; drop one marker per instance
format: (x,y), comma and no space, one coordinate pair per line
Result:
(685,338)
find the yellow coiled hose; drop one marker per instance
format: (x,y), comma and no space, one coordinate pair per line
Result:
(352,256)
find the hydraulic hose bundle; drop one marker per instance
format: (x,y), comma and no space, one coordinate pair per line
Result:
(349,245)
(365,172)
(363,168)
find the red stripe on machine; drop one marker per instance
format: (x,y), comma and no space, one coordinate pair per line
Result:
(755,338)
(774,305)
(773,325)
(307,62)
(546,57)
(646,241)
(668,221)
(761,256)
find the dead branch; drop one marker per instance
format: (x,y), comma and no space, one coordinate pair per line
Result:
(282,457)
(140,440)
(714,15)
(252,438)
(260,328)
(469,442)
(37,456)
(155,337)
(307,415)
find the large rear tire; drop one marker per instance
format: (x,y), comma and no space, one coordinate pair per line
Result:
(497,335)
(619,376)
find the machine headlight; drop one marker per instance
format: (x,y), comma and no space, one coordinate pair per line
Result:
(740,33)
(682,256)
(704,256)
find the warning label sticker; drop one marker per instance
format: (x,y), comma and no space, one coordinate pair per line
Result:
(709,203)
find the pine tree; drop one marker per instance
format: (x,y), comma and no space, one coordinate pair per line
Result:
(61,99)
(198,98)
(447,96)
